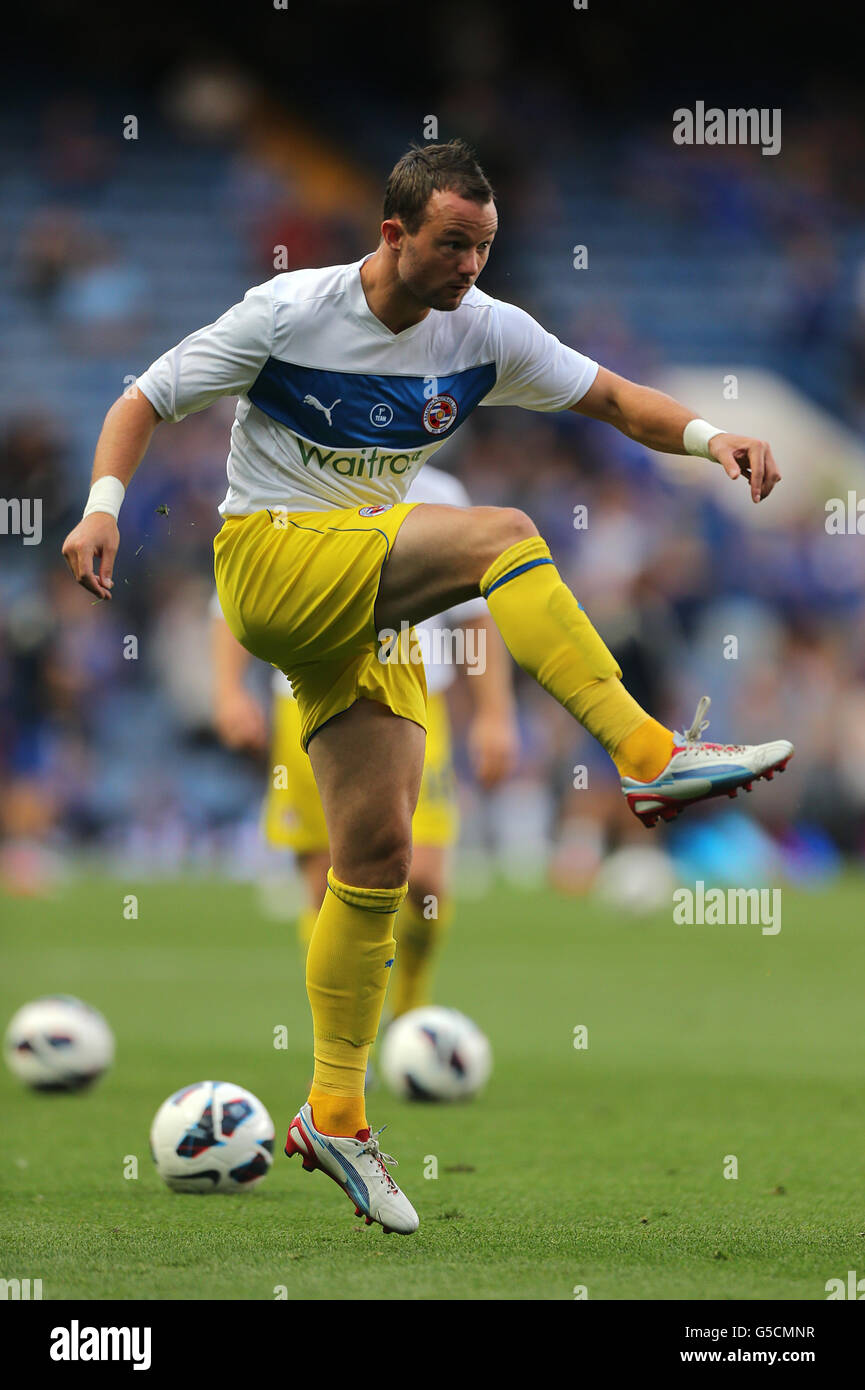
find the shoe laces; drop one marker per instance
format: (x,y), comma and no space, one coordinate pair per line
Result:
(371,1146)
(692,735)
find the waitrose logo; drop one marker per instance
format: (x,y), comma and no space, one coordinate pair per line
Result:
(370,462)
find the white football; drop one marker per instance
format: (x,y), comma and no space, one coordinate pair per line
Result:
(58,1043)
(212,1136)
(435,1054)
(636,878)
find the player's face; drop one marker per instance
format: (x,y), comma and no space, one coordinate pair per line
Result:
(449,250)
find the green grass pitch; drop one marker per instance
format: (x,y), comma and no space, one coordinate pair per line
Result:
(601,1167)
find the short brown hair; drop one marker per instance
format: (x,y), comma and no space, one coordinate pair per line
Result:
(427,169)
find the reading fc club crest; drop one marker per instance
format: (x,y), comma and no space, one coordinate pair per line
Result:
(374,511)
(439,414)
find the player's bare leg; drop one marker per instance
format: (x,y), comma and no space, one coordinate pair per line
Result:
(421,928)
(367,763)
(443,555)
(440,556)
(313,866)
(428,883)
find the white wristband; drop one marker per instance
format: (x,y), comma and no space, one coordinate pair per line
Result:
(696,438)
(106,495)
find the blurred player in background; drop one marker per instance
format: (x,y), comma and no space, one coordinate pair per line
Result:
(293,817)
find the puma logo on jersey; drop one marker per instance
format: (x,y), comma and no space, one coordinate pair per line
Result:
(326,410)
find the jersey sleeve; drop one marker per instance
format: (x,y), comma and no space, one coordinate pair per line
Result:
(534,369)
(222,359)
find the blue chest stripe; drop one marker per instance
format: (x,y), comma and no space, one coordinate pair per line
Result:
(357,410)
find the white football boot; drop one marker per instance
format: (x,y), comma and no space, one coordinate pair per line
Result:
(698,771)
(358,1166)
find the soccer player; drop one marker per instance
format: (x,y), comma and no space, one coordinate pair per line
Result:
(349,378)
(293,817)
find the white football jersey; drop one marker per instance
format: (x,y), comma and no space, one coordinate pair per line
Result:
(335,410)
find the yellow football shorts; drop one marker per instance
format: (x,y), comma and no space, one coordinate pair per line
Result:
(292,814)
(298,589)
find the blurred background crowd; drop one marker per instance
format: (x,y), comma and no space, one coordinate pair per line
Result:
(133,216)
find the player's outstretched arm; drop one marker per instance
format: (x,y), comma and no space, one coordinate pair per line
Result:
(659,422)
(122,444)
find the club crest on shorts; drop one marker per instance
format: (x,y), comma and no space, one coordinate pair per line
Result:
(376,509)
(439,414)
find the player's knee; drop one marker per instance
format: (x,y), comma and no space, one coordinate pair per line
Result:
(505,526)
(380,859)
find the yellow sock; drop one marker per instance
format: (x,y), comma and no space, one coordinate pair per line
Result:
(549,635)
(645,752)
(420,940)
(347,971)
(306,921)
